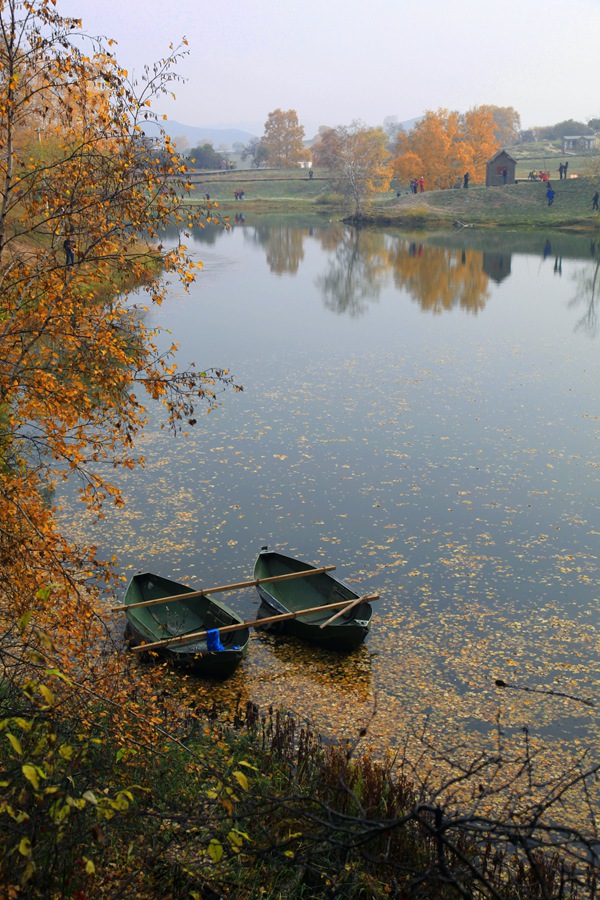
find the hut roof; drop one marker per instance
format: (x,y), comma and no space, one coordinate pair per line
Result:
(501,153)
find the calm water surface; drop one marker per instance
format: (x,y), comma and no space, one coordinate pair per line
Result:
(421,412)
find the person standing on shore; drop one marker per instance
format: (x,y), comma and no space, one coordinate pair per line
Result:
(595,199)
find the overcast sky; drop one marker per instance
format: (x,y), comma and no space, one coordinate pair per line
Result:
(335,61)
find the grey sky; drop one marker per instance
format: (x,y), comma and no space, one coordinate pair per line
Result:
(334,61)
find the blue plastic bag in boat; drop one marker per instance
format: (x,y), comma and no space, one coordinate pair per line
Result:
(213,641)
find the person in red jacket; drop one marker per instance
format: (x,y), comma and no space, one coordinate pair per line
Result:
(421,184)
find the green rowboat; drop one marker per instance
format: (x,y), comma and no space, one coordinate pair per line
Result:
(345,633)
(147,624)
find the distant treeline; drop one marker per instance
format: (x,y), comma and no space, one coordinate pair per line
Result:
(560,130)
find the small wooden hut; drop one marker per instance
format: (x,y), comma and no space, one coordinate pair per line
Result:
(497,166)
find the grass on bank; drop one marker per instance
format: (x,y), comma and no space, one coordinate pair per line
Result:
(520,205)
(287,190)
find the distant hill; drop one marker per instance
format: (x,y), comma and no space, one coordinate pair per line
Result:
(199,134)
(393,126)
(227,137)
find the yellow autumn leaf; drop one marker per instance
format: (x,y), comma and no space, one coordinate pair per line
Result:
(241,779)
(235,840)
(25,847)
(215,850)
(46,694)
(14,743)
(24,621)
(22,723)
(31,774)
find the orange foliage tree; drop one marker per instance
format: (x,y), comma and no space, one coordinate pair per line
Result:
(507,123)
(77,365)
(406,166)
(479,133)
(283,138)
(76,358)
(446,144)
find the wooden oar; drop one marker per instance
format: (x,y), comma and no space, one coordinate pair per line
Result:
(183,638)
(188,595)
(344,610)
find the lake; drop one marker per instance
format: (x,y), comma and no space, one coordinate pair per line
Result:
(422,412)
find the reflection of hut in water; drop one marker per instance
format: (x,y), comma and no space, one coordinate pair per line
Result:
(496,168)
(496,265)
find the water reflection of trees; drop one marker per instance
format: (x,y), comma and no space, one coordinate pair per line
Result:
(588,282)
(439,274)
(356,272)
(362,262)
(440,278)
(174,234)
(283,245)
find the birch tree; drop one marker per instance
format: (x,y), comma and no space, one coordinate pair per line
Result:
(359,159)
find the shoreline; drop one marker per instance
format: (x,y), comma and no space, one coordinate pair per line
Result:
(522,205)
